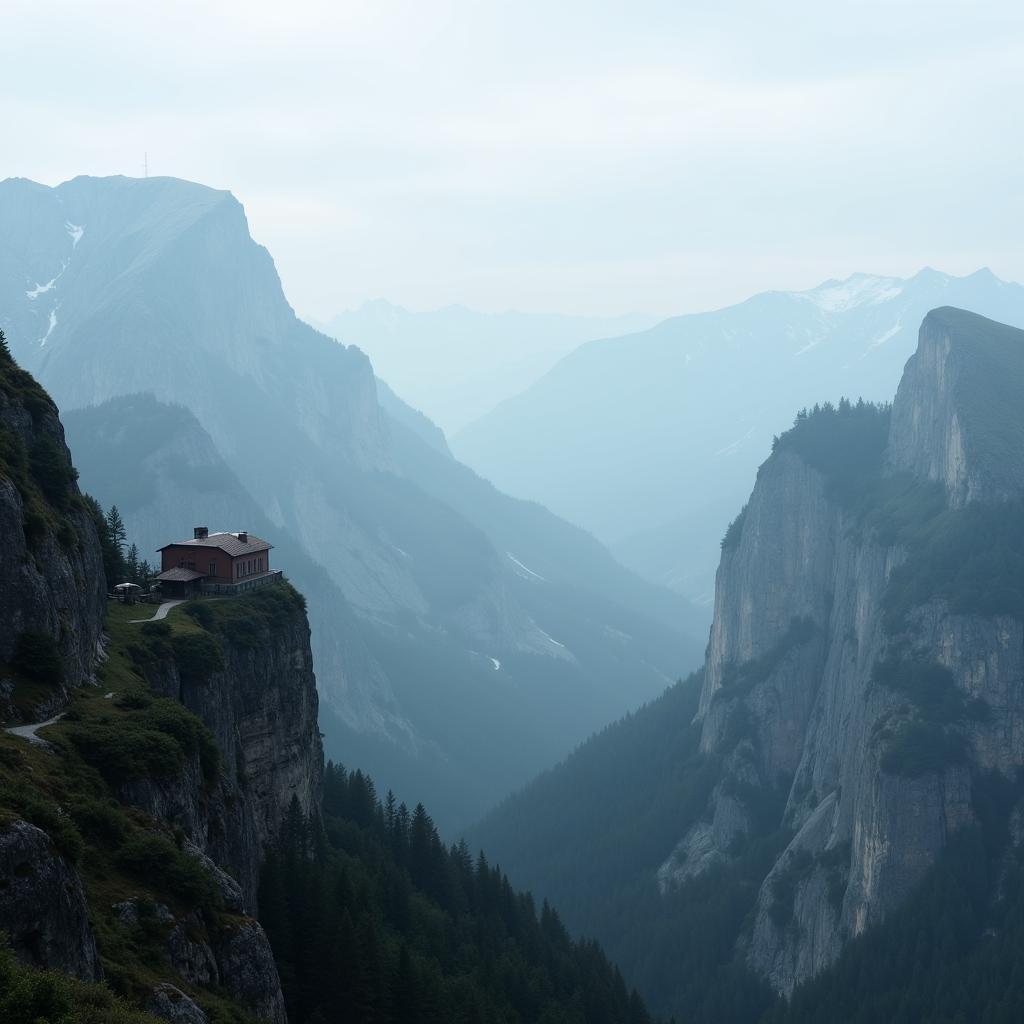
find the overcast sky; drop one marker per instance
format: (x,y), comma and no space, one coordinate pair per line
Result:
(568,156)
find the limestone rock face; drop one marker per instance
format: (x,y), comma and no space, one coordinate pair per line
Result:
(235,958)
(42,904)
(792,707)
(262,710)
(51,578)
(958,416)
(171,1004)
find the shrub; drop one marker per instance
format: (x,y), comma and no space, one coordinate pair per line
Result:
(44,814)
(52,471)
(739,680)
(919,747)
(28,996)
(732,536)
(125,750)
(198,655)
(37,656)
(156,859)
(103,820)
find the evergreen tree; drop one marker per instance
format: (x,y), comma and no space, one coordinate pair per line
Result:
(374,921)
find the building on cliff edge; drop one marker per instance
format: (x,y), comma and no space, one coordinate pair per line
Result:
(215,563)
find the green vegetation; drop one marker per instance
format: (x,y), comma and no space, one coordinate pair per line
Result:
(918,747)
(844,442)
(154,858)
(928,741)
(739,680)
(247,620)
(374,919)
(28,996)
(70,791)
(38,467)
(951,953)
(591,834)
(731,540)
(973,558)
(37,657)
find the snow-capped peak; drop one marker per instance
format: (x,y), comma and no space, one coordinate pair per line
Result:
(857,290)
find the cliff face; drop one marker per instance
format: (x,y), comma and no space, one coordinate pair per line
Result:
(852,723)
(51,568)
(958,416)
(260,705)
(132,830)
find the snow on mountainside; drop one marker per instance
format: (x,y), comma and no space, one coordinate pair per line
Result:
(651,440)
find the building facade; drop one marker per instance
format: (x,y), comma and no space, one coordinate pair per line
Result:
(222,563)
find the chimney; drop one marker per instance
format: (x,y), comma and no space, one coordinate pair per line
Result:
(200,533)
(243,536)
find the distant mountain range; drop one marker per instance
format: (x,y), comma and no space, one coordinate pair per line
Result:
(463,639)
(651,440)
(456,364)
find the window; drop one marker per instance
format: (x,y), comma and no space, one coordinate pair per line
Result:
(213,568)
(192,566)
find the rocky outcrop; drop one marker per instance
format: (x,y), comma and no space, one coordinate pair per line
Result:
(958,416)
(42,904)
(234,957)
(51,569)
(794,704)
(261,707)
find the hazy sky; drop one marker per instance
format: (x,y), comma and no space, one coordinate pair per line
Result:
(576,156)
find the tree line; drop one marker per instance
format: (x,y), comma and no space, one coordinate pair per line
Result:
(373,919)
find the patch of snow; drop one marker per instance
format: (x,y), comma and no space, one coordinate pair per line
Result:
(75,231)
(858,290)
(551,639)
(49,330)
(883,338)
(522,570)
(107,696)
(731,449)
(496,664)
(813,343)
(41,289)
(404,554)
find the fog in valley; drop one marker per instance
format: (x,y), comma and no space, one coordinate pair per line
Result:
(511,513)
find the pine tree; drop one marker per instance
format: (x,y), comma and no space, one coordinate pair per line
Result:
(115,524)
(133,565)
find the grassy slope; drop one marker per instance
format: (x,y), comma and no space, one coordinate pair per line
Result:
(120,852)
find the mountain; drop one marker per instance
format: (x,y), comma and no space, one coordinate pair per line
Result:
(829,810)
(175,803)
(439,646)
(133,820)
(652,440)
(457,364)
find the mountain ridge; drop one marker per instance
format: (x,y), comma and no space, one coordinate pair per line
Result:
(628,435)
(854,724)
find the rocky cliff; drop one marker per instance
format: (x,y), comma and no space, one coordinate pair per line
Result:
(52,588)
(132,830)
(865,671)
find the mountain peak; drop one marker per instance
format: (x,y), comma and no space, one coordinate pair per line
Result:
(957,410)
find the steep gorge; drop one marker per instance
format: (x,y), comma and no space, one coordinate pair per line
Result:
(857,722)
